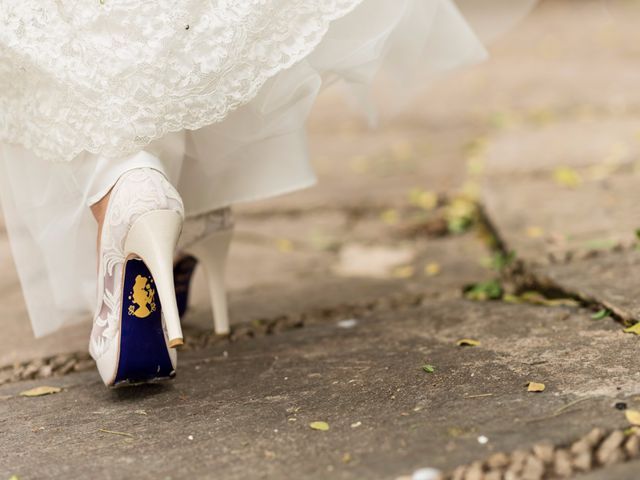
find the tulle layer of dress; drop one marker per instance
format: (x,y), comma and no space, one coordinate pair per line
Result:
(257,150)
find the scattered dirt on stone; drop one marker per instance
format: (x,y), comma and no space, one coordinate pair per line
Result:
(47,367)
(597,449)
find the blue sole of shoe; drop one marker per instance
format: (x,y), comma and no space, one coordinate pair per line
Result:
(144,354)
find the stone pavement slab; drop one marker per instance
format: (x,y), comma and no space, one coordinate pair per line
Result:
(609,279)
(249,409)
(543,221)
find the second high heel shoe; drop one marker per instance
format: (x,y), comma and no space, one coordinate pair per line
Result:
(206,241)
(137,325)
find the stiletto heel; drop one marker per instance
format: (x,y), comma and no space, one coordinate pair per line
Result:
(137,321)
(212,253)
(153,237)
(206,240)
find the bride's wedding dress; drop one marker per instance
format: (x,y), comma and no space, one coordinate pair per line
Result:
(214,94)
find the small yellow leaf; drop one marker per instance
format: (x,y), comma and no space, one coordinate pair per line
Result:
(534,232)
(633,329)
(284,245)
(510,298)
(535,387)
(40,391)
(423,199)
(633,417)
(346,458)
(432,269)
(567,177)
(322,426)
(403,272)
(467,342)
(390,216)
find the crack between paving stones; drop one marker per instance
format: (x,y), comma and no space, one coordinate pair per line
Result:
(61,365)
(524,278)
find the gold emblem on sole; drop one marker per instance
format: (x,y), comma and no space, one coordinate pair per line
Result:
(142,297)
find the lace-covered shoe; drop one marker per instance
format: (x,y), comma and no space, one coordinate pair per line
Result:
(136,326)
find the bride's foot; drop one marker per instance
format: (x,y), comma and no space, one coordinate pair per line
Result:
(136,322)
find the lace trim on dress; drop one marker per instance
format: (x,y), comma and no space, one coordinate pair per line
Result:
(110,76)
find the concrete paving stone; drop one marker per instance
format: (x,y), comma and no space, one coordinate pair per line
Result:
(604,144)
(278,284)
(559,68)
(249,409)
(609,279)
(538,217)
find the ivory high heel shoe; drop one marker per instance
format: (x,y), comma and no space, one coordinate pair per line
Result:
(206,240)
(137,325)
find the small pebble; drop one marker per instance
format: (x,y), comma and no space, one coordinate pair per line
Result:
(518,460)
(348,323)
(594,436)
(583,461)
(190,437)
(475,472)
(458,473)
(493,475)
(562,463)
(632,446)
(609,451)
(426,474)
(533,468)
(482,440)
(544,451)
(498,460)
(621,406)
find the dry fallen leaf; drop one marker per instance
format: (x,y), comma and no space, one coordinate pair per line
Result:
(322,426)
(567,177)
(405,271)
(534,232)
(423,199)
(633,417)
(432,269)
(467,342)
(40,391)
(633,329)
(390,216)
(284,245)
(535,387)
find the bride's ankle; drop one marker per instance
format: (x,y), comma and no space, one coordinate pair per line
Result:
(99,210)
